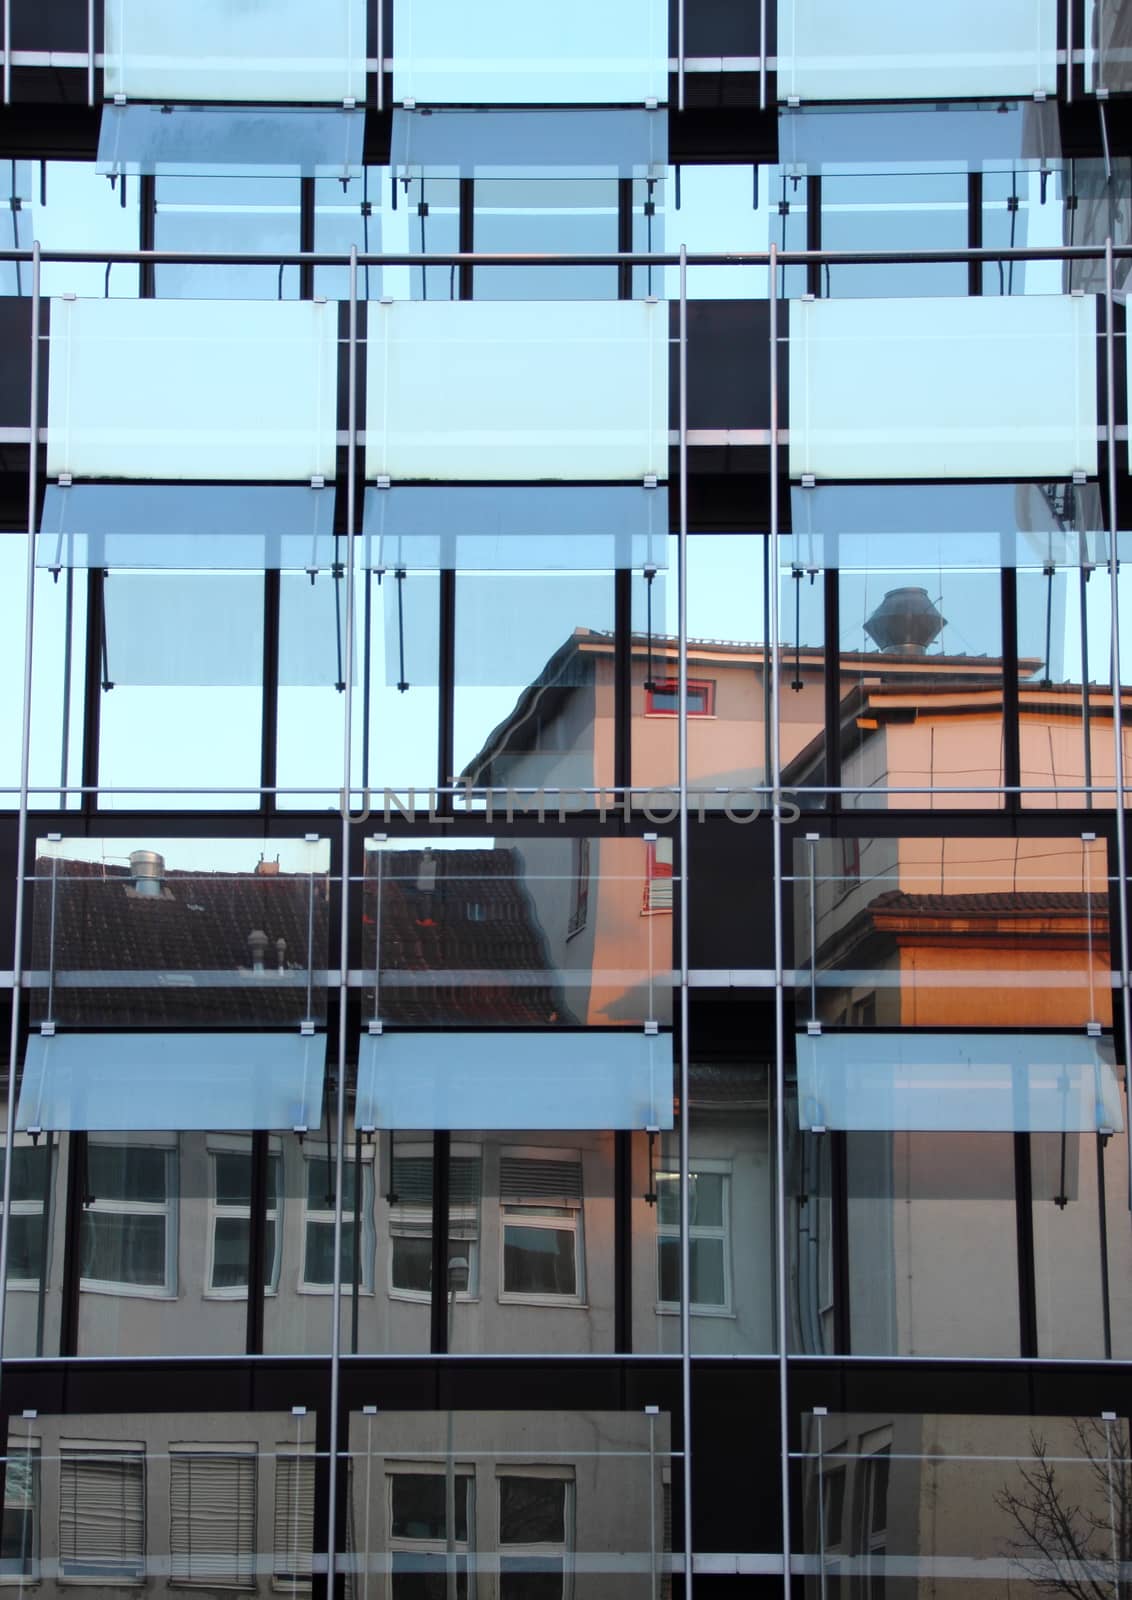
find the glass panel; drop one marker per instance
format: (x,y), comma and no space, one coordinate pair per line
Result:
(214,50)
(937,388)
(1070,1267)
(378,212)
(200,526)
(32,1312)
(575,391)
(179,933)
(952,933)
(1108,48)
(534,697)
(230,212)
(905,210)
(1025,208)
(947,136)
(590,56)
(57,678)
(522,145)
(184,141)
(1098,208)
(1018,1504)
(992,1082)
(721,208)
(536,933)
(921,684)
(562,1080)
(560,215)
(888,51)
(1065,695)
(508,529)
(201,389)
(107,1080)
(914,1203)
(728,677)
(202,1499)
(574,1497)
(66,205)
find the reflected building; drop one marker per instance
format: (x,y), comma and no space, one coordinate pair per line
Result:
(565,687)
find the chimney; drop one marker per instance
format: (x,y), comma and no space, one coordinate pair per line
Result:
(905,623)
(267,869)
(257,944)
(147,870)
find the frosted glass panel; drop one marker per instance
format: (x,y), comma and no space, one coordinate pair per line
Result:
(890,50)
(515,144)
(193,389)
(204,527)
(172,1080)
(447,52)
(172,141)
(944,388)
(230,50)
(517,390)
(479,529)
(518,1080)
(968,1083)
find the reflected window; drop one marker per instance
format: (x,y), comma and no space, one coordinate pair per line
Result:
(663,699)
(292,1563)
(410,1222)
(212,1517)
(31,1194)
(230,1233)
(318,1224)
(380,213)
(102,1514)
(128,1234)
(418,1531)
(708,1236)
(19,1531)
(540,1199)
(536,1519)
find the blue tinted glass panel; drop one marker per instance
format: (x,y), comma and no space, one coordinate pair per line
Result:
(473,1080)
(183,140)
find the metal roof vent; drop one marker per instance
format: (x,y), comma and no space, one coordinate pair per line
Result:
(905,622)
(147,870)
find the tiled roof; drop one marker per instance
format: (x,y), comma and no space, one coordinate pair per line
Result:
(1025,903)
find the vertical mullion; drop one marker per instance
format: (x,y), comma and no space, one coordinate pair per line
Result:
(623,1241)
(441,1147)
(306,236)
(624,237)
(147,223)
(1011,752)
(92,687)
(1024,1203)
(257,1242)
(445,756)
(467,226)
(72,1231)
(269,725)
(974,230)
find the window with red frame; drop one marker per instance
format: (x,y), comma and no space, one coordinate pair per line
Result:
(663,699)
(658,882)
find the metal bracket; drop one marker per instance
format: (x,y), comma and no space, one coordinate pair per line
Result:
(54,838)
(1079,476)
(814,1029)
(65,480)
(652,1028)
(318,481)
(375,1027)
(47,1030)
(310,838)
(1093,1029)
(818,1129)
(652,1411)
(119,99)
(298,1411)
(1088,838)
(369,1411)
(383,477)
(650,480)
(306,1027)
(650,838)
(409,103)
(301,1129)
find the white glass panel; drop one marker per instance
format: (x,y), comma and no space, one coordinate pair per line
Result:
(969,1083)
(285,51)
(944,388)
(890,50)
(518,390)
(172,1080)
(192,389)
(518,1080)
(513,53)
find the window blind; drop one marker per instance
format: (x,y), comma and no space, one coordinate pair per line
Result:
(411,1213)
(528,1181)
(212,1517)
(294,1518)
(101,1514)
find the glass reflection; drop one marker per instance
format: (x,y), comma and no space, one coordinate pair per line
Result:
(952,933)
(562,1501)
(553,215)
(380,213)
(166,933)
(902,210)
(66,205)
(1021,1504)
(534,693)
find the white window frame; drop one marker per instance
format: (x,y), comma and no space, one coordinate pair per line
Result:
(34,1208)
(418,1151)
(248,1557)
(169,1209)
(27,1449)
(668,1230)
(465,1472)
(284,1582)
(511,1214)
(97,1449)
(219,1146)
(325,1218)
(564,1550)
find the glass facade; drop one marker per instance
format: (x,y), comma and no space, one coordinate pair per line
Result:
(564,749)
